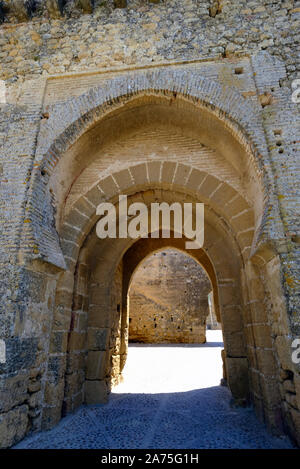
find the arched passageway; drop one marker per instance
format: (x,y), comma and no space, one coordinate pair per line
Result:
(155,145)
(168,300)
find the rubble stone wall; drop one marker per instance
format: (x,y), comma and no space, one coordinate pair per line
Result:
(168,300)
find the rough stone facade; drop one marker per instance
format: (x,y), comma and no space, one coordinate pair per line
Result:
(175,101)
(168,300)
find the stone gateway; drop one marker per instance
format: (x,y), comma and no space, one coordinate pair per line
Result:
(182,101)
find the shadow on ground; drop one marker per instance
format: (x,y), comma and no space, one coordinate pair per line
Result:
(196,419)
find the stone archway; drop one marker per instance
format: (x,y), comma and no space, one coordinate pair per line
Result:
(211,108)
(106,296)
(136,255)
(92,160)
(168,300)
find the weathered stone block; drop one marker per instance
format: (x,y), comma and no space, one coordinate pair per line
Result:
(297,388)
(259,312)
(243,221)
(139,174)
(58,342)
(61,317)
(251,354)
(96,392)
(195,179)
(123,179)
(235,344)
(288,385)
(77,340)
(284,351)
(266,362)
(34,386)
(295,414)
(262,336)
(78,399)
(223,194)
(64,297)
(108,187)
(80,321)
(249,335)
(99,316)
(96,365)
(255,382)
(154,168)
(51,416)
(98,339)
(237,376)
(232,319)
(20,354)
(13,426)
(56,368)
(209,185)
(74,383)
(35,400)
(76,360)
(54,392)
(13,391)
(235,206)
(291,399)
(167,172)
(270,392)
(115,366)
(181,175)
(94,196)
(274,420)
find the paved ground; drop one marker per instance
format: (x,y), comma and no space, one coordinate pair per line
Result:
(170,398)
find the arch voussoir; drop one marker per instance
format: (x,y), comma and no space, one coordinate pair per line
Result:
(80,114)
(82,216)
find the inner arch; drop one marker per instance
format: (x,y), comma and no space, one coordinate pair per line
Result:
(150,128)
(168,299)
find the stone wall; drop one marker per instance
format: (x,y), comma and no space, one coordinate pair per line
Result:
(168,300)
(145,33)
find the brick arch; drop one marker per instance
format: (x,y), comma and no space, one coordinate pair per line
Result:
(137,304)
(226,202)
(103,259)
(137,254)
(143,248)
(99,261)
(104,256)
(69,121)
(231,313)
(236,277)
(110,248)
(231,228)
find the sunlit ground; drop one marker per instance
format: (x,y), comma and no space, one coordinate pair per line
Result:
(170,398)
(173,367)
